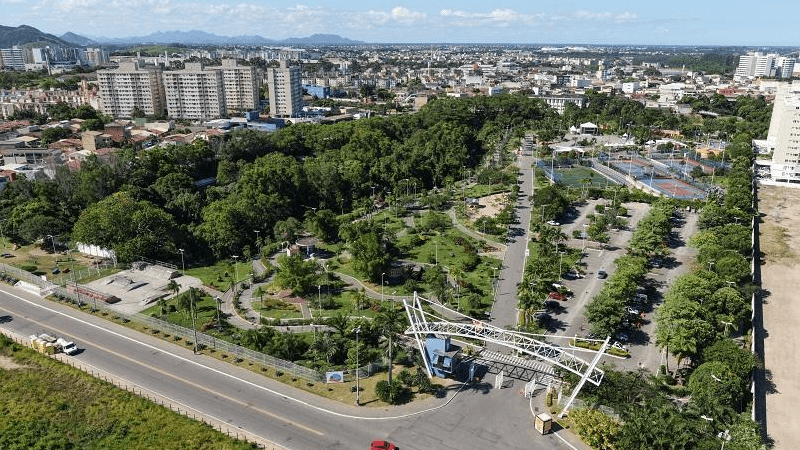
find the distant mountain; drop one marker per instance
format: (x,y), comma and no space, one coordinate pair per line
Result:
(325,39)
(198,37)
(77,39)
(24,34)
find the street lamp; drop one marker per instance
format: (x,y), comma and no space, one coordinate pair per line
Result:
(183,265)
(319,302)
(192,311)
(235,270)
(382,274)
(53,240)
(357,330)
(219,306)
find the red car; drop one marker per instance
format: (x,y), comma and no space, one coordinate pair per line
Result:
(558,296)
(382,445)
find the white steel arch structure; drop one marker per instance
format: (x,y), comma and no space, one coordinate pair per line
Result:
(423,323)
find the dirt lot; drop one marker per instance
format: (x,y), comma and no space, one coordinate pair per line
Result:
(780,239)
(490,206)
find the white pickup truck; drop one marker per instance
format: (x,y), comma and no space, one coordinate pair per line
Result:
(67,347)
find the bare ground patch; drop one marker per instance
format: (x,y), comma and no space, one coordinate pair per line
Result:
(490,206)
(7,363)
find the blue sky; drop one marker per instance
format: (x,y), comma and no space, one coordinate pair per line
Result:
(510,21)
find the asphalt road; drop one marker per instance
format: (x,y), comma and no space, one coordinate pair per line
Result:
(477,417)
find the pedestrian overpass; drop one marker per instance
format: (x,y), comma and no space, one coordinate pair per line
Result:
(427,322)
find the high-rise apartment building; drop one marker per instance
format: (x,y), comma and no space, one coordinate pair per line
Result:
(285,90)
(194,93)
(784,131)
(129,87)
(753,65)
(242,86)
(95,56)
(12,58)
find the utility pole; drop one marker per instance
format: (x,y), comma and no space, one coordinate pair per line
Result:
(358,388)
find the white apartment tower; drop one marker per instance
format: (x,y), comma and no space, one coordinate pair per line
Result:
(784,131)
(194,93)
(285,90)
(242,86)
(129,87)
(753,65)
(12,58)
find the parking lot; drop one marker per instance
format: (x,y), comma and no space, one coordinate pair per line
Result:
(567,317)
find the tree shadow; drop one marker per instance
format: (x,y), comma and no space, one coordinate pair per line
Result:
(769,385)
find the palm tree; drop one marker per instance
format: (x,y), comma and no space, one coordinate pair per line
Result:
(340,323)
(162,302)
(390,321)
(174,287)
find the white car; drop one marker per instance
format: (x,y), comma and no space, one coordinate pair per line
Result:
(67,347)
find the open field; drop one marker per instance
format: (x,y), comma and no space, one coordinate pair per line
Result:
(779,237)
(50,405)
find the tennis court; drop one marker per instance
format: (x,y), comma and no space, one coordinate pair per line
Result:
(580,176)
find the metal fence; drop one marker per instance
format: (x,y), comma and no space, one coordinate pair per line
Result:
(180,332)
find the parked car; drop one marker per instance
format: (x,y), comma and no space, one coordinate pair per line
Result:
(602,274)
(382,445)
(552,304)
(558,296)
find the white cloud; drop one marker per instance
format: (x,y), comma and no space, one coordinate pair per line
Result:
(402,14)
(500,17)
(619,18)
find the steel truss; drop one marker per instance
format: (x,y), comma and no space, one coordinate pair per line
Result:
(424,323)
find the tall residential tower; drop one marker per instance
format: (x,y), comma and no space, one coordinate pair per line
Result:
(285,90)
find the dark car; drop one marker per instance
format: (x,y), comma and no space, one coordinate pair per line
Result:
(601,274)
(382,445)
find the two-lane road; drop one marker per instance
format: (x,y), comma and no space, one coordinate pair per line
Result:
(290,418)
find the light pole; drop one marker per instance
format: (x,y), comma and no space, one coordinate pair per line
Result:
(437,252)
(235,272)
(258,242)
(382,274)
(357,330)
(219,306)
(53,240)
(183,265)
(192,311)
(319,302)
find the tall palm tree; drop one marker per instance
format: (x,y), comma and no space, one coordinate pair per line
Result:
(174,287)
(390,321)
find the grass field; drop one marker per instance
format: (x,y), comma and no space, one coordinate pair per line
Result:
(575,177)
(221,274)
(49,405)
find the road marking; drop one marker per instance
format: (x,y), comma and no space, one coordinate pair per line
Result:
(193,384)
(530,405)
(250,383)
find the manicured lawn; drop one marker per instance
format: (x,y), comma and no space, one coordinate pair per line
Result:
(277,309)
(221,274)
(206,310)
(47,404)
(482,190)
(574,177)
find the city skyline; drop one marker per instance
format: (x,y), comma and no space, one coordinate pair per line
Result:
(579,22)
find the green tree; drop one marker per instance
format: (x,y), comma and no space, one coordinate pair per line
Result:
(369,255)
(596,428)
(390,321)
(296,274)
(680,328)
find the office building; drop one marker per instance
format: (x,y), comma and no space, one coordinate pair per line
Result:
(131,87)
(285,90)
(194,93)
(784,131)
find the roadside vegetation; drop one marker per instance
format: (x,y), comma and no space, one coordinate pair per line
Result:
(49,405)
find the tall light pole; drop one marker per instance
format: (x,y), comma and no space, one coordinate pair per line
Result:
(183,265)
(192,311)
(219,305)
(53,240)
(235,271)
(258,242)
(357,330)
(382,274)
(437,253)
(319,302)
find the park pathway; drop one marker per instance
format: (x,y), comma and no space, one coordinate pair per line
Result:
(504,312)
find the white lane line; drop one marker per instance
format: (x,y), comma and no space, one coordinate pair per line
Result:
(249,383)
(530,405)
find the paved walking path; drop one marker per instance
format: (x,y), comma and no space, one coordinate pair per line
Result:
(504,311)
